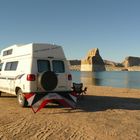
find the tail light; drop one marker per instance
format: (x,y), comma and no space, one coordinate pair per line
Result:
(30,77)
(69,77)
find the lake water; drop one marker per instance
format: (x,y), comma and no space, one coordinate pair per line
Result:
(122,79)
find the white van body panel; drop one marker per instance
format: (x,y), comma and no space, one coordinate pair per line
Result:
(26,58)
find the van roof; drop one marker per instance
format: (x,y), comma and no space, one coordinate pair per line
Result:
(34,49)
(29,44)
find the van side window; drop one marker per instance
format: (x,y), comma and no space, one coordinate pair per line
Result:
(14,65)
(58,66)
(8,66)
(43,65)
(11,66)
(1,66)
(8,52)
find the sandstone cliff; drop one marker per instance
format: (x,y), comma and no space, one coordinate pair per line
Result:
(75,62)
(129,64)
(112,63)
(93,61)
(131,61)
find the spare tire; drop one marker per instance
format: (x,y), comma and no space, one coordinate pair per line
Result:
(48,80)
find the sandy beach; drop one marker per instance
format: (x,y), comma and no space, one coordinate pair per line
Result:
(105,113)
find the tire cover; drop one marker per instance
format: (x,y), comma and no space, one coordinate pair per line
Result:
(48,80)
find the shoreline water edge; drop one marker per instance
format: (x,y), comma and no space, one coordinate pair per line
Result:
(108,68)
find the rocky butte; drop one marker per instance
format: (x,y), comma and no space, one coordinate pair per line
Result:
(93,61)
(131,61)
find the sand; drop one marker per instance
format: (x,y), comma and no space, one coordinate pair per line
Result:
(105,113)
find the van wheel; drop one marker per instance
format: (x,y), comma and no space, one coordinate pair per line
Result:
(48,80)
(21,99)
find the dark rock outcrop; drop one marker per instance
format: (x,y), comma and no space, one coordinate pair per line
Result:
(75,62)
(113,64)
(93,61)
(131,61)
(75,65)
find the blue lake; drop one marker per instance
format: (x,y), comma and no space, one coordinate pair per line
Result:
(122,79)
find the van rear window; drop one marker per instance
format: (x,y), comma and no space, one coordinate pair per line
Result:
(58,66)
(43,65)
(11,66)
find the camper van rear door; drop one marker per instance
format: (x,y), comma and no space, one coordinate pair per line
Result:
(59,69)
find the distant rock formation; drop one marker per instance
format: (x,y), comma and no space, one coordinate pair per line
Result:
(75,62)
(129,64)
(131,61)
(93,61)
(75,65)
(113,64)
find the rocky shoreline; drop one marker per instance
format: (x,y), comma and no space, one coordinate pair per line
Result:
(108,68)
(94,62)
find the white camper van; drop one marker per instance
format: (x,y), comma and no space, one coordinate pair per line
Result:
(34,68)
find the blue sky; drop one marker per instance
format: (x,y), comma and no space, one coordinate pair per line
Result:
(113,26)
